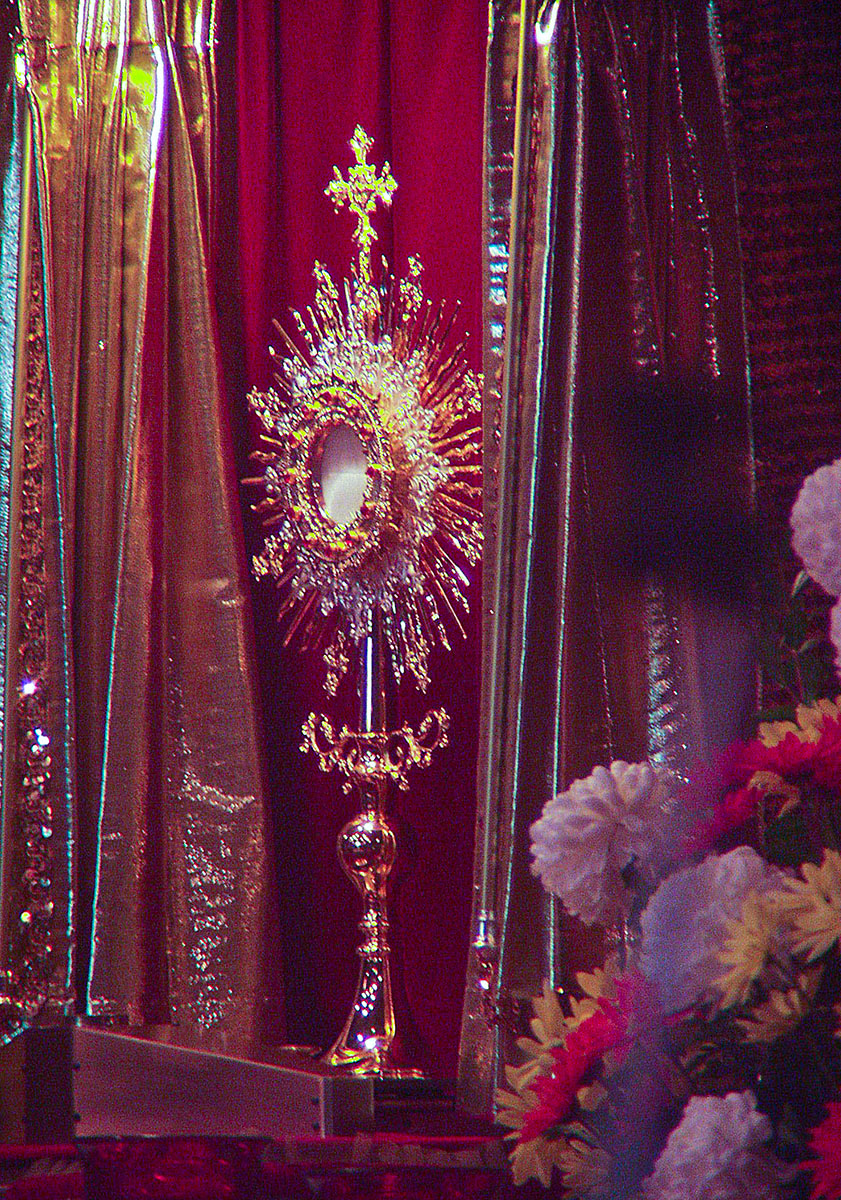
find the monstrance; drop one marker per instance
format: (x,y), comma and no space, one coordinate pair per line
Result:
(370,450)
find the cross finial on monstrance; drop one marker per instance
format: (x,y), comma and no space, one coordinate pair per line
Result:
(360,192)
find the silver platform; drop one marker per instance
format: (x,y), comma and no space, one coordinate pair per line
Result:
(76,1081)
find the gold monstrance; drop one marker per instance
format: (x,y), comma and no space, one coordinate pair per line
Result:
(371,470)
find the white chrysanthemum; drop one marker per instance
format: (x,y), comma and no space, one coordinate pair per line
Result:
(816,526)
(588,834)
(685,923)
(717,1152)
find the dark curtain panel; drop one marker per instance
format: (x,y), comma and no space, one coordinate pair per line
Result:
(412,77)
(619,515)
(784,71)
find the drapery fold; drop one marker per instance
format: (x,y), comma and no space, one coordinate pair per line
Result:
(619,512)
(164,905)
(172,841)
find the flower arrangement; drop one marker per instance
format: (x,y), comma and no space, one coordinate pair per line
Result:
(702,1060)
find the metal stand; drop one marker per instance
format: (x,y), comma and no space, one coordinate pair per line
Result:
(367,849)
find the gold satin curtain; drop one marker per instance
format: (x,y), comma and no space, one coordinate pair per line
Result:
(162,787)
(618,511)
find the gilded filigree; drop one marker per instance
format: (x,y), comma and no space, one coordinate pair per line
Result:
(376,364)
(374,757)
(360,192)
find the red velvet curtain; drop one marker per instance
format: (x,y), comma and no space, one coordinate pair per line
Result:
(413,77)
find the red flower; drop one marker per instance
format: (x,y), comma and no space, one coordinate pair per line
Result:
(795,759)
(826,1144)
(584,1046)
(792,756)
(736,809)
(828,763)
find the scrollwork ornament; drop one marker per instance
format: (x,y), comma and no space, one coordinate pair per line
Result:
(370,758)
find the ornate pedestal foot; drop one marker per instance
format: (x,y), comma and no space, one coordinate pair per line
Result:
(367,849)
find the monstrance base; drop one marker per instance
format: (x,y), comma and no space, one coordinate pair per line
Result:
(371,1064)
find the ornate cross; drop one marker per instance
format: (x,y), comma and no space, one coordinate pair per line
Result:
(360,192)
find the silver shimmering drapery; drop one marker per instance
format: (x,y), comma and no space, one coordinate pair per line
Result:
(127,579)
(620,503)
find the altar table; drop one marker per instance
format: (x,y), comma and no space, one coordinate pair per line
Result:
(380,1166)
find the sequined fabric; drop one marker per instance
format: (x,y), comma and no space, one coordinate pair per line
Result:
(38,816)
(620,507)
(171,861)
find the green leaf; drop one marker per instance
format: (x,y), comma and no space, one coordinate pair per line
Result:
(811,644)
(794,629)
(787,840)
(800,581)
(775,712)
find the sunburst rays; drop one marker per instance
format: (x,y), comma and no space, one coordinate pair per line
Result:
(377,359)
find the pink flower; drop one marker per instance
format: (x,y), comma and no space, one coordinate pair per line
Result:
(734,811)
(826,1144)
(792,757)
(801,756)
(571,1063)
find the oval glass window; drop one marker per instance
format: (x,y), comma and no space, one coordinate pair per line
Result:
(343,477)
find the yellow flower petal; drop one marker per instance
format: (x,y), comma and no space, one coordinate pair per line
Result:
(812,906)
(782,1011)
(810,719)
(746,949)
(549,1023)
(584,1167)
(772,784)
(533,1160)
(511,1107)
(598,984)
